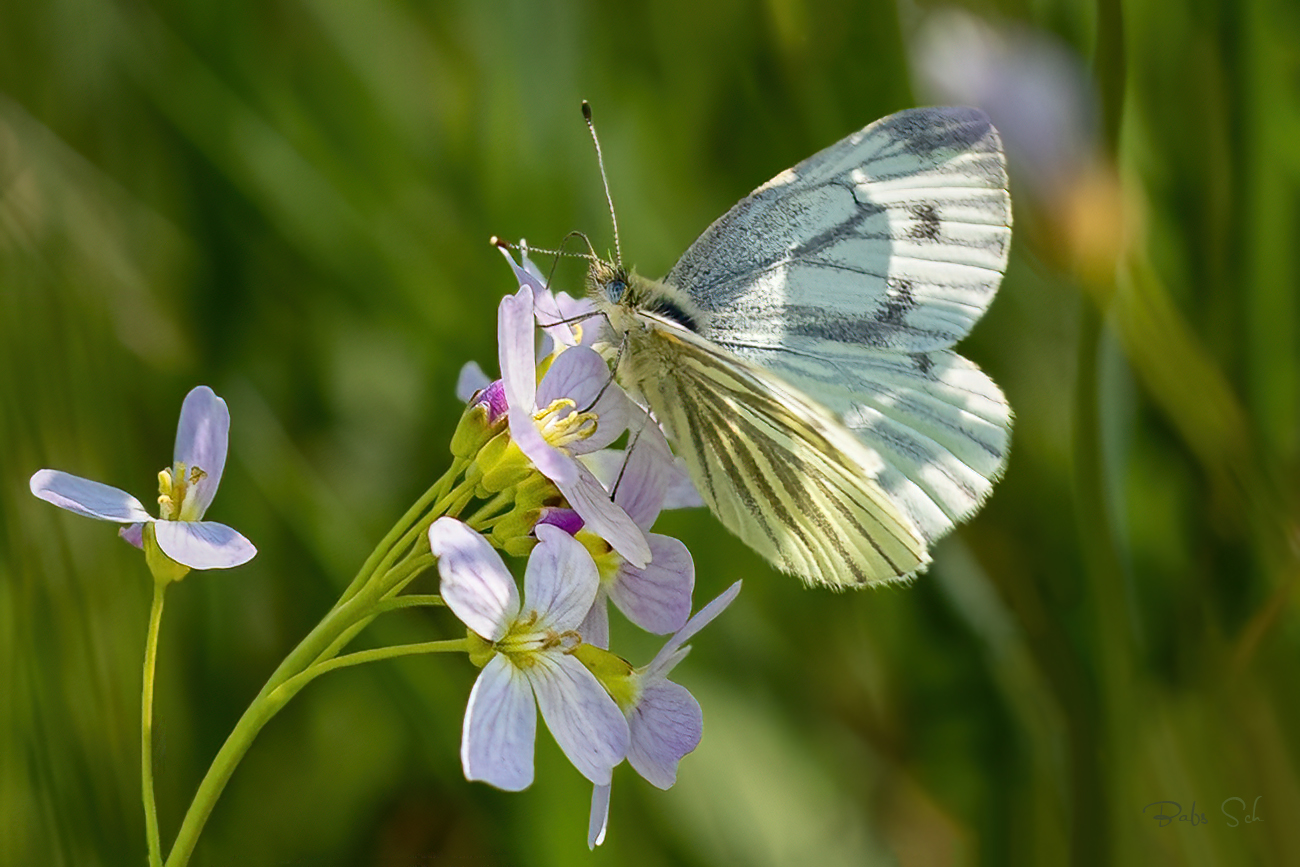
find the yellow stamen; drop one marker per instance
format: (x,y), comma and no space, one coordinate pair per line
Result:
(561,425)
(177,492)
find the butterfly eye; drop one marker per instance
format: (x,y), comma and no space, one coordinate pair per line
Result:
(614,290)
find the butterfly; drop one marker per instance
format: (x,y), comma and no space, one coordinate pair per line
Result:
(799,354)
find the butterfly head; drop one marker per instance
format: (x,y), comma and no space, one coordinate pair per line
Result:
(621,294)
(609,282)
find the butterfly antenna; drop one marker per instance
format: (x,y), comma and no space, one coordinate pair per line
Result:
(524,250)
(591,256)
(600,161)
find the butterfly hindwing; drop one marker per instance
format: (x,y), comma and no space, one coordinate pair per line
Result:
(777,470)
(940,424)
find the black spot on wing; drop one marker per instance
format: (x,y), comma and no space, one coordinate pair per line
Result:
(899,301)
(923,362)
(882,328)
(927,223)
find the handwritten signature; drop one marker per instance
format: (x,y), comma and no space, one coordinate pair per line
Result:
(1168,812)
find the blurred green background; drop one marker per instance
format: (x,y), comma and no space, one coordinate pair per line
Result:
(290,201)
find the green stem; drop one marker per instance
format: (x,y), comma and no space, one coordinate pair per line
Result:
(451,645)
(437,491)
(399,557)
(449,504)
(348,616)
(146,726)
(406,572)
(264,706)
(490,508)
(412,601)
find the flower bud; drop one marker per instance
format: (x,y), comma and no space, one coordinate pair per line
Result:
(502,463)
(517,524)
(614,673)
(483,418)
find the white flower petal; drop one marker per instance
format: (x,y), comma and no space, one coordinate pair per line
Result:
(475,582)
(560,580)
(658,597)
(581,374)
(578,375)
(594,628)
(551,319)
(605,464)
(603,517)
(470,381)
(584,720)
(599,819)
(201,440)
(525,275)
(681,493)
(550,461)
(529,266)
(577,314)
(515,333)
(133,534)
(500,728)
(666,724)
(643,484)
(91,499)
(203,544)
(668,656)
(592,326)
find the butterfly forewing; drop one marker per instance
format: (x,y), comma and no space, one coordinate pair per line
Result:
(894,238)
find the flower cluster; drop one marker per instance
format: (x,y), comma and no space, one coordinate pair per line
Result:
(552,415)
(533,474)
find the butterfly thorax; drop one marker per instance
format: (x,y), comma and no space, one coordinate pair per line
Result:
(621,295)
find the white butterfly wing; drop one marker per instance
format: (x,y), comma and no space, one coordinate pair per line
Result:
(779,471)
(843,281)
(894,238)
(940,424)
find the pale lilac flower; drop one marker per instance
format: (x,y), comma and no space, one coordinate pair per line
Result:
(656,597)
(471,381)
(664,720)
(679,489)
(574,410)
(552,309)
(565,321)
(530,665)
(186,491)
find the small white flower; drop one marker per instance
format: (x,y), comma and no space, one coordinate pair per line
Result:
(565,321)
(528,663)
(664,720)
(186,490)
(574,410)
(656,597)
